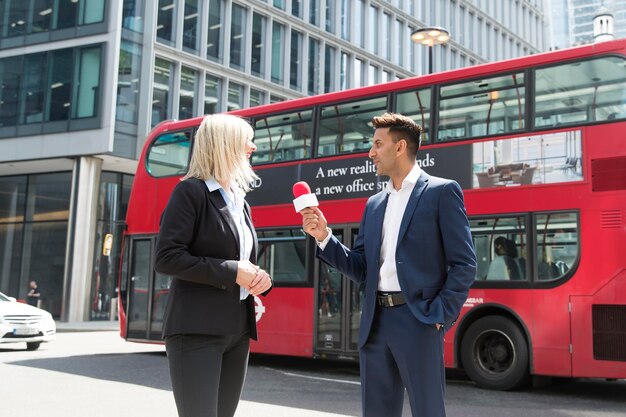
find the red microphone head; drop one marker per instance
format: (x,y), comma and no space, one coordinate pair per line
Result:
(301,188)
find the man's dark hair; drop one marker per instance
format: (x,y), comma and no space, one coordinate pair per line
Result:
(401,127)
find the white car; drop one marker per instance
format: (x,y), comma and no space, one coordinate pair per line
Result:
(24,323)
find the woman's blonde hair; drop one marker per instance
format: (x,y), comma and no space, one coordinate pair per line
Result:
(219,151)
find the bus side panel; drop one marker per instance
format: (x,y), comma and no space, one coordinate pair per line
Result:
(285,322)
(599,348)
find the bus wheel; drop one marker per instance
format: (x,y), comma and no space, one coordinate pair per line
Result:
(495,354)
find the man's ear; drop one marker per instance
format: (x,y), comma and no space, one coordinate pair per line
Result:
(401,146)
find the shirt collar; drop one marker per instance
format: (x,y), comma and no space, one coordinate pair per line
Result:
(213,185)
(409,181)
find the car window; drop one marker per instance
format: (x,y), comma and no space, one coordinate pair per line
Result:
(3,298)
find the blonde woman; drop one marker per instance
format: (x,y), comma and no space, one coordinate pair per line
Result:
(208,245)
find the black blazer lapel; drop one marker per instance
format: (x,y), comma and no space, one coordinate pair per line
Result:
(215,197)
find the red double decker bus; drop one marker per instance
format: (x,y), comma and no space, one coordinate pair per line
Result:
(538,145)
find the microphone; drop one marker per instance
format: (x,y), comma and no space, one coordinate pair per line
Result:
(303,196)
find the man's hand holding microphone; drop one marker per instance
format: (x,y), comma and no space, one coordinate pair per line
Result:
(313,221)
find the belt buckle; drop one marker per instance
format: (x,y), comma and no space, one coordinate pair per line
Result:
(390,300)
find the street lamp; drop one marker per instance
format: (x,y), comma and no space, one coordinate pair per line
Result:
(430,36)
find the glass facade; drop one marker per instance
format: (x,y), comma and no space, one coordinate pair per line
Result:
(50,86)
(113,199)
(129,71)
(26,17)
(34,214)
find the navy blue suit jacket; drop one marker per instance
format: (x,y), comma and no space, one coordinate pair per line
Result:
(435,256)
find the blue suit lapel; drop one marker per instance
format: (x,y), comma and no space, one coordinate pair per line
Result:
(378,206)
(418,190)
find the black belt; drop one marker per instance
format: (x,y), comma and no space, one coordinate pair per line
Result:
(390,299)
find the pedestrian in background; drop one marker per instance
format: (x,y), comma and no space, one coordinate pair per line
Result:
(33,296)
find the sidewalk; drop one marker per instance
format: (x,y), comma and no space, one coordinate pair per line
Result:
(88,326)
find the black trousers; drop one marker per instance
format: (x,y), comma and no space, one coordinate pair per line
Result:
(208,371)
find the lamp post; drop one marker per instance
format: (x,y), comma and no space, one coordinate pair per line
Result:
(430,36)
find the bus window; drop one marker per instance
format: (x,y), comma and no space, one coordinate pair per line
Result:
(416,105)
(500,248)
(283,137)
(488,106)
(557,244)
(580,92)
(347,127)
(282,253)
(169,154)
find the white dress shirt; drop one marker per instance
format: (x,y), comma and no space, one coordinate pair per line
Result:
(234,202)
(396,206)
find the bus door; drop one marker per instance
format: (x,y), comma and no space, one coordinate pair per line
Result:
(146,292)
(338,306)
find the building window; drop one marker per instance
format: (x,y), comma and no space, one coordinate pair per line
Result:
(257,65)
(215,33)
(235,96)
(190,26)
(17,17)
(278,43)
(66,16)
(373,30)
(386,36)
(42,12)
(372,75)
(345,19)
(280,4)
(276,99)
(92,11)
(60,84)
(165,21)
(187,94)
(132,15)
(162,87)
(329,69)
(296,8)
(33,89)
(314,66)
(257,97)
(343,71)
(314,12)
(10,74)
(212,94)
(295,77)
(237,37)
(357,80)
(88,82)
(399,41)
(330,16)
(359,19)
(128,82)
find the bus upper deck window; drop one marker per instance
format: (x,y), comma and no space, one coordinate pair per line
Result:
(283,137)
(581,92)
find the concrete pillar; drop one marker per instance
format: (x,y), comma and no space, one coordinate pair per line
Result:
(83,217)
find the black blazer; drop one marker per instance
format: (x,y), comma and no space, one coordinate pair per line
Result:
(198,245)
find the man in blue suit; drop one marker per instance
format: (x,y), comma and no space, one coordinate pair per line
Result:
(415,254)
